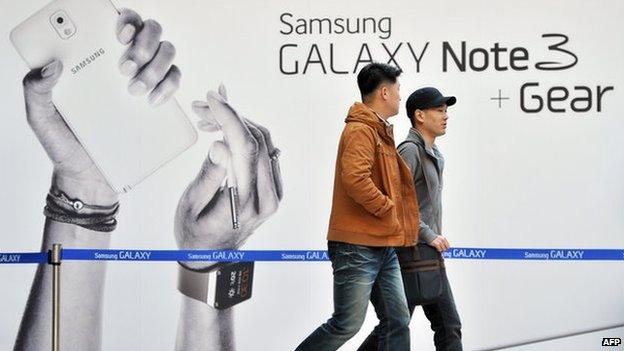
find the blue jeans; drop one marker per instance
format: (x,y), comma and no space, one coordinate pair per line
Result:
(442,315)
(361,274)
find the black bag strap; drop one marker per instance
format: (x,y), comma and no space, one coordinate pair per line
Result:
(420,169)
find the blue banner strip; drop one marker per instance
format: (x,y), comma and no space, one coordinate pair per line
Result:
(536,254)
(321,255)
(23,257)
(195,255)
(305,255)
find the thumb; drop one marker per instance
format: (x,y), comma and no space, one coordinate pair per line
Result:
(38,85)
(223,91)
(39,82)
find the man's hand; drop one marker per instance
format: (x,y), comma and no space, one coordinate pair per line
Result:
(147,61)
(203,219)
(440,243)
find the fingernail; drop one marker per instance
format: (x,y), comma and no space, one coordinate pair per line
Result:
(49,69)
(137,88)
(215,156)
(128,68)
(156,100)
(207,125)
(215,96)
(198,103)
(222,91)
(206,128)
(126,34)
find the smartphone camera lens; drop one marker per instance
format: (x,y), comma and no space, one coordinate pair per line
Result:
(62,24)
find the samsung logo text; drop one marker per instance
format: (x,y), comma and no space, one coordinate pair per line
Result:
(87,61)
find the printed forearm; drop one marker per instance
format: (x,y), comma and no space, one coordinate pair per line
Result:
(93,192)
(82,286)
(204,328)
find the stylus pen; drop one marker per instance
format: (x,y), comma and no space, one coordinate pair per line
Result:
(230,182)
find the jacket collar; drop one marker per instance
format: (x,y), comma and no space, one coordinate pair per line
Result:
(415,136)
(359,112)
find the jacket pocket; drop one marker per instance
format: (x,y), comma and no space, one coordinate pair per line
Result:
(367,223)
(389,223)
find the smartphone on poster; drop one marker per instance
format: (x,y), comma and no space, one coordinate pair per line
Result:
(126,138)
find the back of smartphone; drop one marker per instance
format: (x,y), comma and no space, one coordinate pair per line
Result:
(126,137)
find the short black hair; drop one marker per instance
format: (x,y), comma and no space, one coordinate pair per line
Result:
(374,74)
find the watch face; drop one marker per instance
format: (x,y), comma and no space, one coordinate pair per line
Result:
(233,284)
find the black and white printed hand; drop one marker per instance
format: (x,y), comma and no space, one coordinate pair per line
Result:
(203,219)
(148,60)
(74,172)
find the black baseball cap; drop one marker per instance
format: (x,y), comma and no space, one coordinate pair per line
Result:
(425,98)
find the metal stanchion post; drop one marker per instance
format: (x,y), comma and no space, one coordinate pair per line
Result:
(55,261)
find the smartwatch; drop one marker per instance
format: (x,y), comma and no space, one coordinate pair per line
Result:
(221,286)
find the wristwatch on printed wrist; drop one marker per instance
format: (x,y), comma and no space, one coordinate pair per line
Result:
(221,285)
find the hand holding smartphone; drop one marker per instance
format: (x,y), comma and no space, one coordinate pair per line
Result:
(115,92)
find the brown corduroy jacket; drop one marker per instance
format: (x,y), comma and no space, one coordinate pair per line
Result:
(374,201)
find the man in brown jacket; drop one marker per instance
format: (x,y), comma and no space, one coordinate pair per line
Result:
(374,209)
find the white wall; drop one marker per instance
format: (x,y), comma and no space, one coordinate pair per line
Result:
(512,179)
